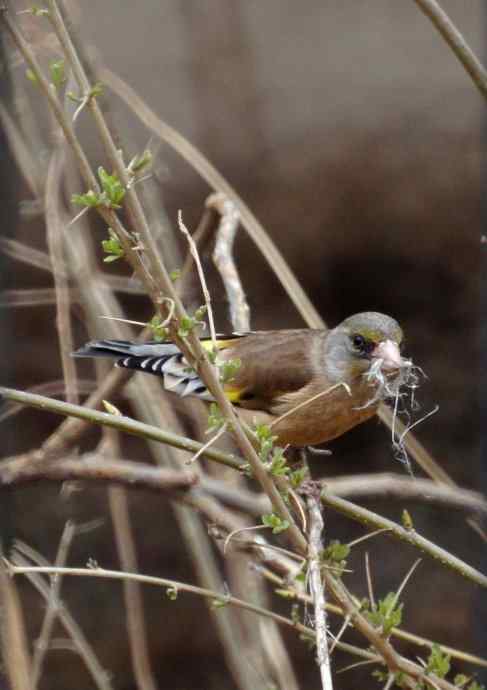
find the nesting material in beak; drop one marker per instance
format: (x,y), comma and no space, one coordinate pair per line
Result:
(388,352)
(390,373)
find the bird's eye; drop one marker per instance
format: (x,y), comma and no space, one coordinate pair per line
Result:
(360,343)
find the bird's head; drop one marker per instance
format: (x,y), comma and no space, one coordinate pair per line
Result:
(361,341)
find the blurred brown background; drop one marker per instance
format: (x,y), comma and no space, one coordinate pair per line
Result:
(356,138)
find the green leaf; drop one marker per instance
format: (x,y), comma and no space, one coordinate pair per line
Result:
(335,552)
(90,199)
(399,678)
(138,163)
(438,662)
(297,477)
(175,275)
(186,325)
(386,615)
(200,313)
(112,247)
(279,467)
(266,441)
(57,72)
(275,523)
(215,418)
(228,369)
(112,187)
(159,332)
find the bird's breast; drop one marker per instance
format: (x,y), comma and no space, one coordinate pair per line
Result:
(332,413)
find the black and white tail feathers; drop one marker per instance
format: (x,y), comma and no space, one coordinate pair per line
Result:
(161,359)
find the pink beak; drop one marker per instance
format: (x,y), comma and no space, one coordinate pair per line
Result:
(388,351)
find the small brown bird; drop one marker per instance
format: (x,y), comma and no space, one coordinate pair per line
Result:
(314,385)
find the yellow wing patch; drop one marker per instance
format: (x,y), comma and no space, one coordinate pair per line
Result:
(207,344)
(233,394)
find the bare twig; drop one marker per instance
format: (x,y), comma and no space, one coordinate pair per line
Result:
(42,643)
(17,466)
(199,236)
(21,252)
(385,651)
(12,634)
(316,526)
(49,388)
(92,467)
(55,242)
(36,297)
(136,625)
(224,261)
(457,43)
(396,486)
(21,152)
(201,275)
(100,677)
(410,536)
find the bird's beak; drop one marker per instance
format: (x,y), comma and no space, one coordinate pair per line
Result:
(388,352)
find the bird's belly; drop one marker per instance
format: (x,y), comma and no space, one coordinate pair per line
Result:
(325,418)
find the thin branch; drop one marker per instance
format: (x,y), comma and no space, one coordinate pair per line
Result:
(457,43)
(136,624)
(15,653)
(100,677)
(283,589)
(385,651)
(42,643)
(22,252)
(317,590)
(201,275)
(55,243)
(21,153)
(92,467)
(36,297)
(396,486)
(199,238)
(225,263)
(50,389)
(131,426)
(387,485)
(177,586)
(410,536)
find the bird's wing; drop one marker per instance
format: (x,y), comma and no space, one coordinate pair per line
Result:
(272,363)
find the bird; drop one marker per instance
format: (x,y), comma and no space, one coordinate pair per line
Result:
(312,385)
